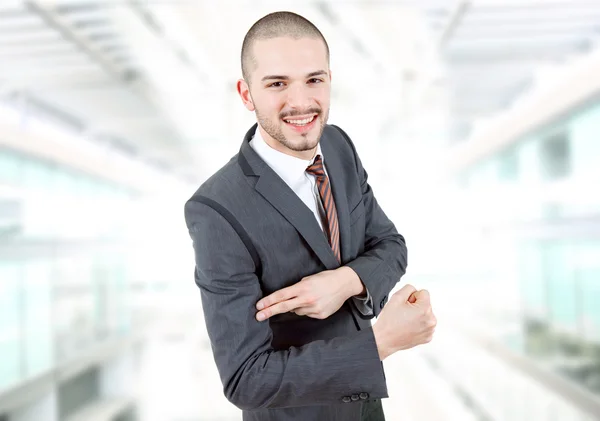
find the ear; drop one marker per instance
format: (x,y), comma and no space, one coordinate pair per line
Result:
(244,91)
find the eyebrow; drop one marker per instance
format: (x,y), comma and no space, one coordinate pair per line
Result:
(280,77)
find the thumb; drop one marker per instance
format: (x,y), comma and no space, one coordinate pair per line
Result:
(405,292)
(413,297)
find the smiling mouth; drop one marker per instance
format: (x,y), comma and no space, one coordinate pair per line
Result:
(300,122)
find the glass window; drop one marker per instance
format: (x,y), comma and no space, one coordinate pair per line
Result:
(587,275)
(73,306)
(532,282)
(529,160)
(485,174)
(585,147)
(561,291)
(10,332)
(37,174)
(65,181)
(37,316)
(10,166)
(508,165)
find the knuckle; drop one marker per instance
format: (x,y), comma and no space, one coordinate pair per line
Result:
(402,291)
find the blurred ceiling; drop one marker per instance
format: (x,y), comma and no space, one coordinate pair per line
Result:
(156,79)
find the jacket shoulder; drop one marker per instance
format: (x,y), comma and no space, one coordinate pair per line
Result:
(225,181)
(335,133)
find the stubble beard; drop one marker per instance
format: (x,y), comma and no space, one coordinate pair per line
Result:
(275,131)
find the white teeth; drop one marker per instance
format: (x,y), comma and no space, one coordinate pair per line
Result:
(301,122)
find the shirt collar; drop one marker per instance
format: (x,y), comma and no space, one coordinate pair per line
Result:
(288,167)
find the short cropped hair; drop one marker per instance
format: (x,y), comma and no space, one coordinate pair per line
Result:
(273,25)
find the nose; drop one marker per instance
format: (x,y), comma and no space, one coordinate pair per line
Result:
(299,97)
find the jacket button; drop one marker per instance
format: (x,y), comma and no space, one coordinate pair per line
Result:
(364,395)
(354,397)
(346,399)
(382,304)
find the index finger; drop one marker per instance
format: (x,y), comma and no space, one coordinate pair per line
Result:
(277,297)
(405,292)
(282,307)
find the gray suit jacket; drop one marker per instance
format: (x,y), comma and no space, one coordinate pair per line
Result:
(252,236)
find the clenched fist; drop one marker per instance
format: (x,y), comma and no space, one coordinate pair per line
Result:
(405,322)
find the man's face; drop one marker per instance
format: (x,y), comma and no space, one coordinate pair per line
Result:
(290,92)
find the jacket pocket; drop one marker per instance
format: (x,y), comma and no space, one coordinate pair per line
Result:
(357,212)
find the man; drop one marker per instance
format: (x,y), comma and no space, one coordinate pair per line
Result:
(293,254)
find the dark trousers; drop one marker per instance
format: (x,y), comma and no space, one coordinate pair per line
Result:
(372,411)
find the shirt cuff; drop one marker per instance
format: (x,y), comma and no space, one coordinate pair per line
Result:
(364,304)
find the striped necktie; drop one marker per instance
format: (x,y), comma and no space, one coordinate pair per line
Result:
(331,223)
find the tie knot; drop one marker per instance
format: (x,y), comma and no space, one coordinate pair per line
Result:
(317,167)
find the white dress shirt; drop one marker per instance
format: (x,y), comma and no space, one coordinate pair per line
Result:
(292,171)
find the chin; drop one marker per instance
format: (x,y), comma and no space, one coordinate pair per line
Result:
(301,143)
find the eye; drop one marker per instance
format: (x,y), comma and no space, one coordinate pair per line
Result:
(275,85)
(315,80)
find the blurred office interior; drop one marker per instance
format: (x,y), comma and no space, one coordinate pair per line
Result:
(477,121)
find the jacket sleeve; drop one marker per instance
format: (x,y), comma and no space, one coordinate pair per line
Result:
(384,260)
(253,374)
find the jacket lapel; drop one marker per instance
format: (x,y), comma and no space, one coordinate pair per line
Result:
(287,203)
